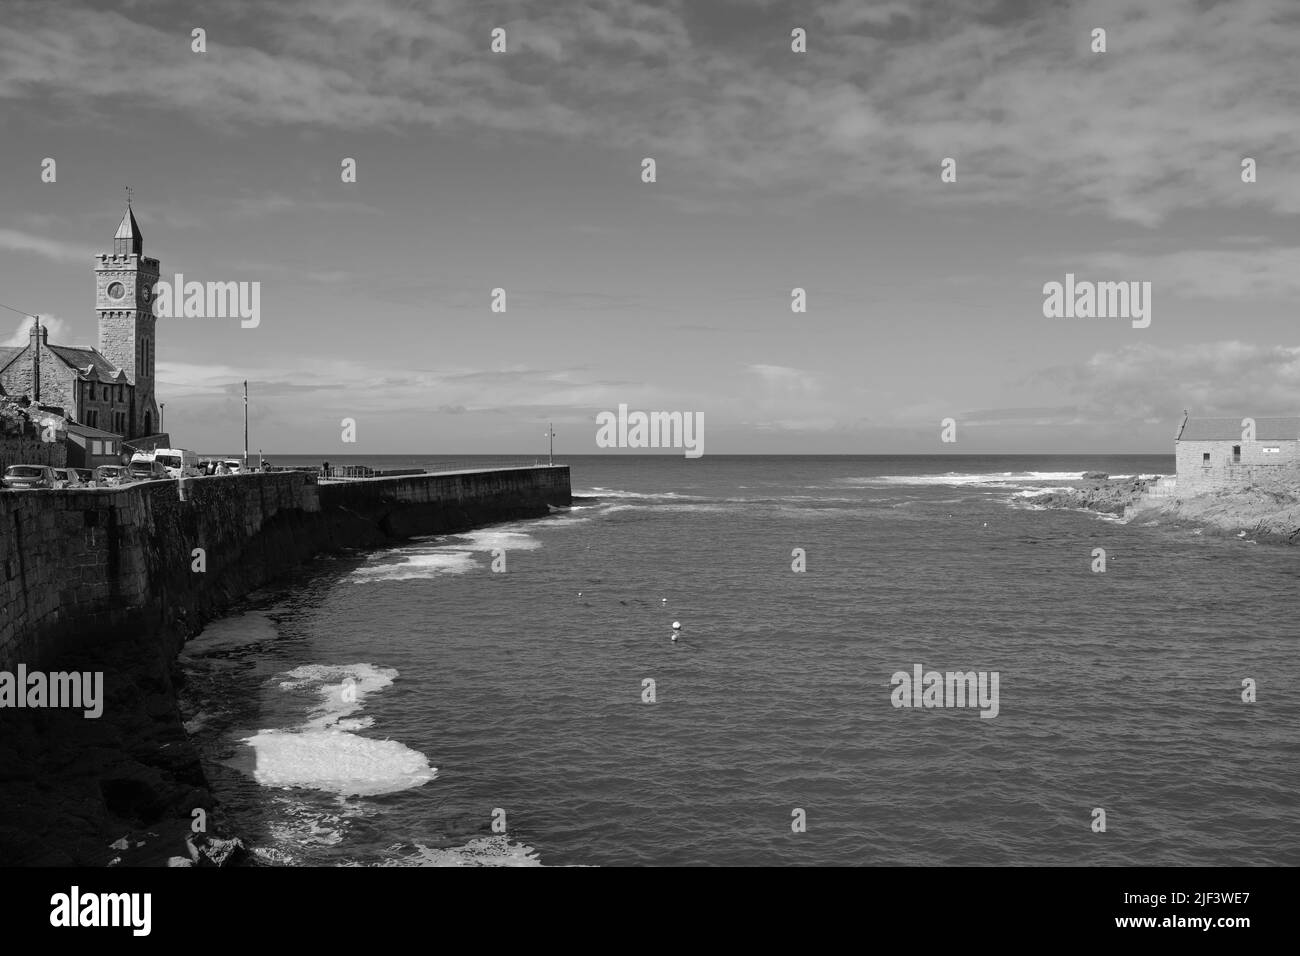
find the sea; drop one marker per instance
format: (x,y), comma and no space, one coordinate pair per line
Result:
(696,665)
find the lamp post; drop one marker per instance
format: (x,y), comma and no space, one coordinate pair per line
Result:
(162,416)
(550,434)
(245,468)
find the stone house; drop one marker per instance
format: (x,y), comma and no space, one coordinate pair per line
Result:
(1219,453)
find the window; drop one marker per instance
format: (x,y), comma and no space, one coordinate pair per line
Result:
(1236,454)
(106,393)
(96,447)
(1205,459)
(92,418)
(119,393)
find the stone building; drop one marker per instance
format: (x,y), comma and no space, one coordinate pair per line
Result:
(1218,453)
(110,388)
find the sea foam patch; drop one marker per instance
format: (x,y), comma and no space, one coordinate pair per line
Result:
(415,565)
(485,851)
(323,753)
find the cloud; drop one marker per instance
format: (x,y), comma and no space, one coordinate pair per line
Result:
(16,241)
(1157,124)
(1193,273)
(59,331)
(1143,381)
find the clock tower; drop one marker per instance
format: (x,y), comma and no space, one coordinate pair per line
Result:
(124,284)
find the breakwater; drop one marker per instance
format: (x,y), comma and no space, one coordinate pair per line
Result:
(115,580)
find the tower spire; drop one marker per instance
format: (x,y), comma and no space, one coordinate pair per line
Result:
(128,240)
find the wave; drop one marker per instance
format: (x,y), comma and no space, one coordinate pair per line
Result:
(602,493)
(323,753)
(958,479)
(485,851)
(451,554)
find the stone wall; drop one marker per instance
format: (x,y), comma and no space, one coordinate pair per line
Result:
(30,451)
(85,566)
(1222,473)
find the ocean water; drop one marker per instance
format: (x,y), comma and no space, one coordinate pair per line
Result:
(384,708)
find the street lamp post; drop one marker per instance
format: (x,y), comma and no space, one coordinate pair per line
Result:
(162,416)
(550,434)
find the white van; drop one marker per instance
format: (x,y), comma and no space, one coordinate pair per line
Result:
(179,462)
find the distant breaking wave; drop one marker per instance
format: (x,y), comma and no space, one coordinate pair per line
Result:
(958,479)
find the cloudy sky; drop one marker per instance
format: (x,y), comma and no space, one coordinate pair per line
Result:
(775,169)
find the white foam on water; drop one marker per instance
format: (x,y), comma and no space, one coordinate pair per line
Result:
(337,761)
(599,492)
(485,851)
(506,540)
(957,479)
(323,753)
(415,566)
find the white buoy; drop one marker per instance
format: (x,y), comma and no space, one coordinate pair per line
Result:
(664,600)
(674,638)
(677,625)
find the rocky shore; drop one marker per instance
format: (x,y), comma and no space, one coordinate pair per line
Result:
(1268,512)
(1263,511)
(1097,492)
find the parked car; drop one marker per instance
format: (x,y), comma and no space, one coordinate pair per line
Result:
(146,470)
(85,474)
(233,465)
(29,476)
(112,474)
(66,478)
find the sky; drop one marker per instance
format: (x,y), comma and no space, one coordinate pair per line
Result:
(775,169)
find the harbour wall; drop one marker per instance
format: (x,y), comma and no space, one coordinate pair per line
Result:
(115,580)
(79,566)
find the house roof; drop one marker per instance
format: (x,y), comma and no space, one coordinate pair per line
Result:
(86,430)
(80,360)
(1230,429)
(85,359)
(10,352)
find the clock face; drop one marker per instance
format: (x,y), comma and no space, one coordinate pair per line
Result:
(116,290)
(145,293)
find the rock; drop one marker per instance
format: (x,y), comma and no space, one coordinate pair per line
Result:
(1095,476)
(215,851)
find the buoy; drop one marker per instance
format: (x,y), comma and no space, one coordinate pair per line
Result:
(664,600)
(677,625)
(674,638)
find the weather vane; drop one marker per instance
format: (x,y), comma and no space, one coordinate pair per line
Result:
(128,196)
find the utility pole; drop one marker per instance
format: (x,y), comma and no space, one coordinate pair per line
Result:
(245,468)
(36,358)
(550,434)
